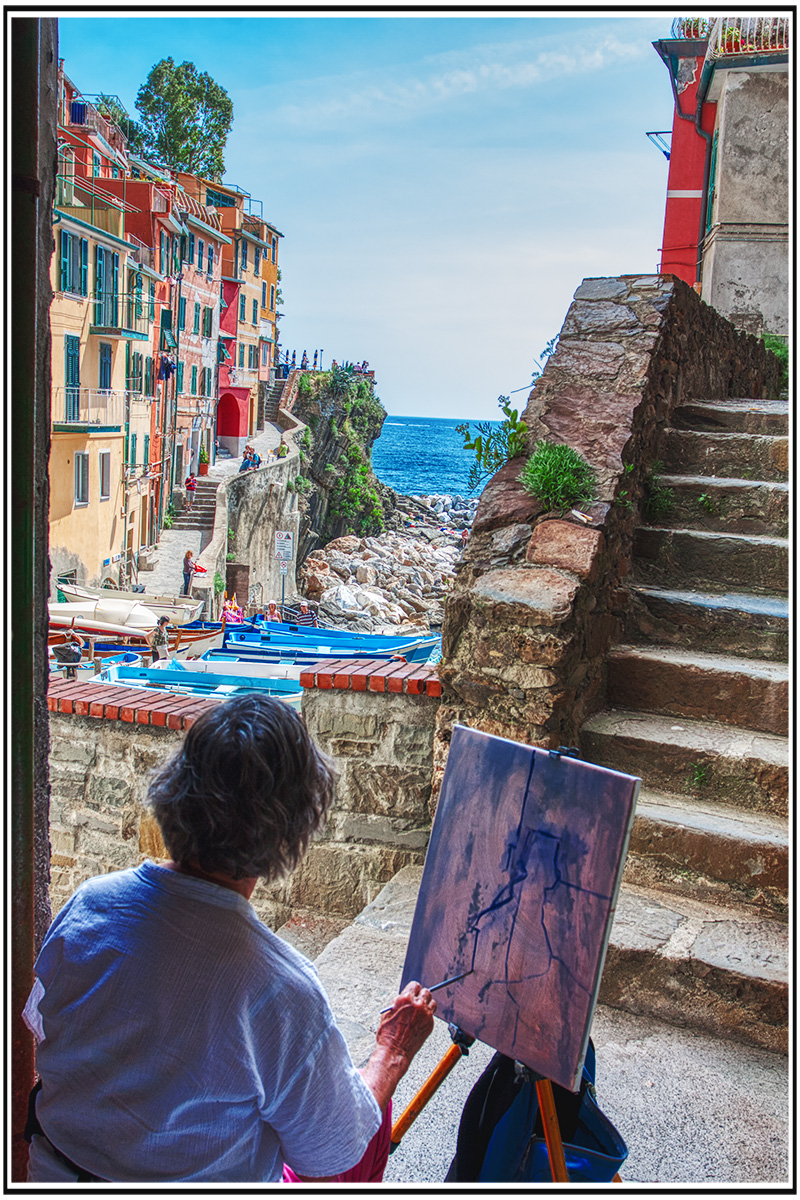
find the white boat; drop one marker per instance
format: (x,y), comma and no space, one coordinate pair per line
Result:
(179,609)
(221,665)
(104,615)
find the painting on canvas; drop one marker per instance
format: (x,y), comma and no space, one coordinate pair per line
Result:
(519,889)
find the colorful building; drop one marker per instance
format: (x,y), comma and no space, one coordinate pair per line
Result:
(726,221)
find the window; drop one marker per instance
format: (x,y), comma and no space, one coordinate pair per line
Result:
(241,354)
(152,302)
(135,372)
(104,462)
(81,478)
(190,259)
(194,381)
(252,357)
(179,378)
(72,377)
(274,249)
(182,313)
(163,252)
(107,283)
(256,260)
(265,354)
(272,298)
(184,248)
(149,377)
(146,451)
(208,322)
(263,295)
(96,162)
(211,260)
(202,381)
(244,255)
(201,249)
(242,307)
(132,450)
(74,264)
(255,312)
(196,326)
(104,372)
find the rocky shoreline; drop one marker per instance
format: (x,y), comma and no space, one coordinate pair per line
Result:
(396,581)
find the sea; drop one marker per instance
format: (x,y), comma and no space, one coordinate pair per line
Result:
(422,456)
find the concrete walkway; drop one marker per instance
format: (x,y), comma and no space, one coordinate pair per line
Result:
(693,1109)
(167,558)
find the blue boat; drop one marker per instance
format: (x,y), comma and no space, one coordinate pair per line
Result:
(199,677)
(329,642)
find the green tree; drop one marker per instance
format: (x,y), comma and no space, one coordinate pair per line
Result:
(186,118)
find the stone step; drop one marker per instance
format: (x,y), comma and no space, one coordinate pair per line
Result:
(716,763)
(688,683)
(709,852)
(692,964)
(732,623)
(734,416)
(752,562)
(190,522)
(736,505)
(732,455)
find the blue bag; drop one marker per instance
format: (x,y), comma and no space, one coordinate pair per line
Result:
(501,1137)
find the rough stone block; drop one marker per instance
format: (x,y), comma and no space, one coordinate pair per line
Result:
(586,317)
(567,546)
(504,501)
(412,743)
(534,597)
(589,358)
(602,289)
(389,790)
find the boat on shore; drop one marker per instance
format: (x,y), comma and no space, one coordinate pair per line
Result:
(197,677)
(180,609)
(338,642)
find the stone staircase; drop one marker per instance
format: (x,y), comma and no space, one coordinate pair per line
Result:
(205,505)
(272,400)
(697,696)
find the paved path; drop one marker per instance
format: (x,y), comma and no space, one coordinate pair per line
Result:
(167,574)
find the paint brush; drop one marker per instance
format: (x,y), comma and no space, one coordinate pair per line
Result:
(436,986)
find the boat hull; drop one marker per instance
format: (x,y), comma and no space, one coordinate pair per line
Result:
(180,609)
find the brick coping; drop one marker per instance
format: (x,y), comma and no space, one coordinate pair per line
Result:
(139,706)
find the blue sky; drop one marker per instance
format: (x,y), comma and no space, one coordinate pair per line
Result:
(443,182)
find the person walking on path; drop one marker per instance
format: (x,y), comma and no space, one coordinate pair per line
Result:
(179,1038)
(188,571)
(191,488)
(157,639)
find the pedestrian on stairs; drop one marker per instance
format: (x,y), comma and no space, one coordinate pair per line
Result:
(191,488)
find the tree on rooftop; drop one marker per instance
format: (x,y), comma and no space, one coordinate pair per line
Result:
(185,118)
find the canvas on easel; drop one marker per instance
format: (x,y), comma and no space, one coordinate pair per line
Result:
(519,888)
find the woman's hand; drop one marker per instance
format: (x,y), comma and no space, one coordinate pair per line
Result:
(409,1022)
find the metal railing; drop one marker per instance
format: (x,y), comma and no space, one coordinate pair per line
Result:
(81,113)
(75,405)
(123,312)
(694,28)
(731,36)
(145,255)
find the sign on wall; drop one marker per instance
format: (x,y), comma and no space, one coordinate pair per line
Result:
(284,544)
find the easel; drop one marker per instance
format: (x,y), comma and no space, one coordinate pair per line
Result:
(544,1093)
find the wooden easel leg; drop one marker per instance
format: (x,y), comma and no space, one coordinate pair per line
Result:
(461,1044)
(552,1132)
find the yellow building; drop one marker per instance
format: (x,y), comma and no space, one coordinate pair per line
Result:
(99,315)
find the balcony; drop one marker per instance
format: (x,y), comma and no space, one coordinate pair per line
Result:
(90,408)
(144,255)
(119,315)
(749,37)
(86,200)
(80,113)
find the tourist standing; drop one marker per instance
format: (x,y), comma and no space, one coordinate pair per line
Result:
(188,572)
(306,616)
(157,639)
(191,488)
(272,613)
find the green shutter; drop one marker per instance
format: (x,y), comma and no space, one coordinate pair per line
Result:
(194,381)
(179,378)
(191,247)
(64,261)
(99,279)
(146,455)
(84,283)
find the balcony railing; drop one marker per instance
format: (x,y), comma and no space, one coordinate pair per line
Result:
(144,255)
(746,36)
(693,28)
(75,405)
(80,112)
(120,314)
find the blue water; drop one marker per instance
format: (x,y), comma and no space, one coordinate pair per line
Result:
(418,456)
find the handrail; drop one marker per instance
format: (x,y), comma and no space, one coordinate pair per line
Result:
(746,36)
(87,406)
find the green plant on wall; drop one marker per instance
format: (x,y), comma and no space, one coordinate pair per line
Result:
(219,583)
(495,443)
(353,500)
(658,500)
(305,389)
(559,477)
(780,348)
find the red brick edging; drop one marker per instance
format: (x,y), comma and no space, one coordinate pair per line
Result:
(374,675)
(166,709)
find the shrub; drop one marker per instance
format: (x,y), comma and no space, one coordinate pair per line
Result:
(559,476)
(780,348)
(219,583)
(304,389)
(494,445)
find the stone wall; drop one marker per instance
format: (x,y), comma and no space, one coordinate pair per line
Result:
(106,742)
(538,596)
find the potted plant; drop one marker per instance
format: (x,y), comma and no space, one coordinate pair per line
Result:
(202,459)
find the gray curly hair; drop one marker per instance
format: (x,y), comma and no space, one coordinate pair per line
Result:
(245,792)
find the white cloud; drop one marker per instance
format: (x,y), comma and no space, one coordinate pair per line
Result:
(487,70)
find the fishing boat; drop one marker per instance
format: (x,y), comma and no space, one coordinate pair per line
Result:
(266,652)
(192,679)
(118,623)
(180,609)
(88,667)
(340,642)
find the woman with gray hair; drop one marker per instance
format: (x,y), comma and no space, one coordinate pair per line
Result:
(179,1038)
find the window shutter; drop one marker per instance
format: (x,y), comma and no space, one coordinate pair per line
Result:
(64,260)
(100,280)
(194,381)
(146,454)
(179,378)
(211,260)
(263,295)
(84,284)
(182,313)
(255,312)
(152,302)
(191,247)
